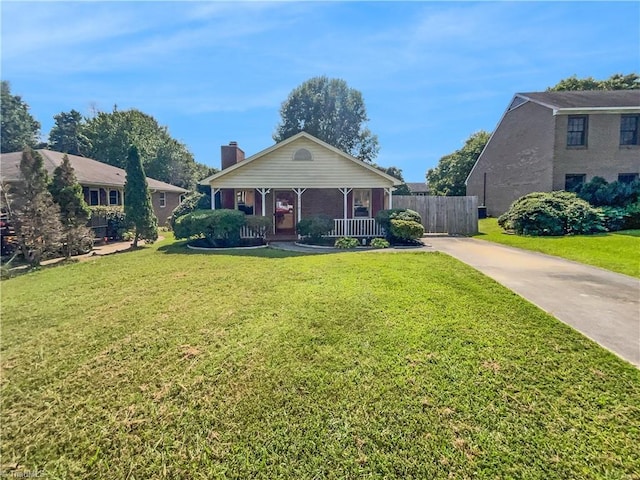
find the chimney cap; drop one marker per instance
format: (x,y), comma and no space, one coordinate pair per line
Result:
(233,144)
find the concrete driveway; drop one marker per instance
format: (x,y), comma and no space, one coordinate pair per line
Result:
(603,305)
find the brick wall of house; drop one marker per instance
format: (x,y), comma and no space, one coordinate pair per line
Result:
(603,155)
(172,200)
(517,160)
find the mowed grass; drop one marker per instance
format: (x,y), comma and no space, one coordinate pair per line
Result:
(163,363)
(617,251)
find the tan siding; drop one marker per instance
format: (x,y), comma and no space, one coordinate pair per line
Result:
(277,169)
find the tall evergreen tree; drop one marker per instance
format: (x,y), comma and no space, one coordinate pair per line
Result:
(137,200)
(74,211)
(18,128)
(67,135)
(36,218)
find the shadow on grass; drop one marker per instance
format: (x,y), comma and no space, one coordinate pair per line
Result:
(180,248)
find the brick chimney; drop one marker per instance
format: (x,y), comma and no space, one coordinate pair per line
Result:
(230,155)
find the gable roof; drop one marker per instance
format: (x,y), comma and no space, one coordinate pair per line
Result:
(88,172)
(418,187)
(591,100)
(302,135)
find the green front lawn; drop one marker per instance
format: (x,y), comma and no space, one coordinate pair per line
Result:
(618,251)
(167,363)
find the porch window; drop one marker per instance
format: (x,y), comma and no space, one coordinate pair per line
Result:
(361,202)
(163,199)
(245,201)
(114,197)
(94,197)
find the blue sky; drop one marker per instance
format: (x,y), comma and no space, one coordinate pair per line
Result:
(431,73)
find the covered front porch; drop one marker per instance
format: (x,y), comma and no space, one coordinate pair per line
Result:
(353,210)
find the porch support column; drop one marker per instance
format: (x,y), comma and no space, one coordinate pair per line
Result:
(299,192)
(263,192)
(213,197)
(390,192)
(345,191)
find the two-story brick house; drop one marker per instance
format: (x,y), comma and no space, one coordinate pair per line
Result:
(549,141)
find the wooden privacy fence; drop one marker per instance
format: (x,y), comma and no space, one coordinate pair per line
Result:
(452,215)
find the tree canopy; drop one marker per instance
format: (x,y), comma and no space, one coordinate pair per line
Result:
(18,127)
(449,176)
(617,81)
(66,135)
(331,111)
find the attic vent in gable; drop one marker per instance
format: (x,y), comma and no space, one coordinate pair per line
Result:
(517,102)
(302,154)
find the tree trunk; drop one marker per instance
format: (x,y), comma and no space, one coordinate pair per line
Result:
(135,239)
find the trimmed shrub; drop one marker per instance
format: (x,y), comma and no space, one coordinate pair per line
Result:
(346,242)
(385,218)
(613,218)
(379,243)
(221,228)
(599,193)
(192,202)
(551,214)
(315,226)
(406,230)
(260,226)
(632,218)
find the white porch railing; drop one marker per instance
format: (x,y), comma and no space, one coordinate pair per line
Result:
(246,232)
(356,227)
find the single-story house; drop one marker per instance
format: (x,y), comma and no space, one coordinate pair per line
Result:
(299,177)
(549,141)
(102,184)
(418,189)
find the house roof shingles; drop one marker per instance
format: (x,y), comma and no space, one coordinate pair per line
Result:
(586,99)
(88,172)
(417,187)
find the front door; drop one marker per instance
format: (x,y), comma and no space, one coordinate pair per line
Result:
(285,211)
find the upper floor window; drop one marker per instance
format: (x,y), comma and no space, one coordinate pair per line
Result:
(629,129)
(163,199)
(577,131)
(573,181)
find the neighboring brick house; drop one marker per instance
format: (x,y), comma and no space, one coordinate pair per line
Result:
(549,141)
(299,177)
(102,184)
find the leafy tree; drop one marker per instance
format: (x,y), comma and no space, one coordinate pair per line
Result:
(616,81)
(137,205)
(67,135)
(331,111)
(448,177)
(396,172)
(36,218)
(18,128)
(74,212)
(164,158)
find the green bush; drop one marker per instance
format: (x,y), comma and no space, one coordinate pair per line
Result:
(221,228)
(599,193)
(551,214)
(384,218)
(632,218)
(346,242)
(406,230)
(379,243)
(192,202)
(260,226)
(613,218)
(113,217)
(315,226)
